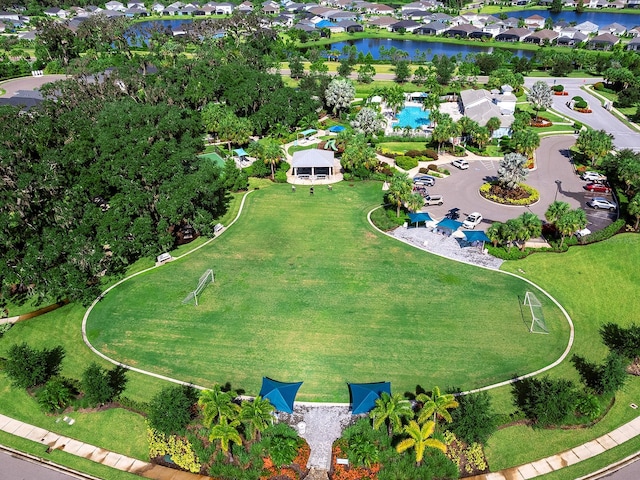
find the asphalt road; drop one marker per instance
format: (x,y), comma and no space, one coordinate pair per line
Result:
(15,467)
(460,190)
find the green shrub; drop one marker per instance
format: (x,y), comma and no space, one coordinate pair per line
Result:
(545,401)
(580,104)
(385,218)
(623,341)
(433,167)
(56,395)
(558,88)
(578,98)
(577,126)
(431,153)
(607,232)
(282,442)
(406,163)
(134,405)
(27,367)
(603,379)
(588,406)
(598,86)
(280,177)
(170,409)
(534,195)
(101,386)
(179,449)
(473,420)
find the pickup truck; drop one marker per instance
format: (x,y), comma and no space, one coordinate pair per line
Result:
(433,200)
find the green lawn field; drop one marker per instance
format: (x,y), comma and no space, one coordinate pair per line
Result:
(306,290)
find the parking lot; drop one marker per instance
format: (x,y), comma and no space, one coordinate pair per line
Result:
(554,178)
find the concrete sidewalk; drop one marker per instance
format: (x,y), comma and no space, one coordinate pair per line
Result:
(575,455)
(93,453)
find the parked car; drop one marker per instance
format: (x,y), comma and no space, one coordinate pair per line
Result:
(472,221)
(601,202)
(427,180)
(582,233)
(433,200)
(598,187)
(593,177)
(460,163)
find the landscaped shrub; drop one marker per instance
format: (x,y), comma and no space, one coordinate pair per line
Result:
(623,341)
(101,386)
(385,218)
(280,177)
(578,98)
(56,394)
(603,379)
(545,401)
(433,167)
(27,367)
(598,86)
(473,420)
(431,153)
(178,449)
(558,88)
(487,188)
(170,409)
(607,232)
(282,443)
(580,104)
(577,126)
(406,163)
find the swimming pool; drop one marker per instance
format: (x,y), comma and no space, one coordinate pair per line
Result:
(413,117)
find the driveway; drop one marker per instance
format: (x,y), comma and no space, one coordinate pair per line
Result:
(599,119)
(460,189)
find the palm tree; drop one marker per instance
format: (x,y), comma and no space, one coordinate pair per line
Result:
(526,141)
(270,152)
(257,415)
(571,222)
(226,432)
(216,405)
(419,438)
(634,209)
(467,128)
(400,189)
(390,410)
(438,405)
(415,202)
(556,210)
(493,124)
(510,231)
(531,226)
(494,232)
(394,97)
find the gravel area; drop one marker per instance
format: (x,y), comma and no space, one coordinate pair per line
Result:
(320,425)
(446,246)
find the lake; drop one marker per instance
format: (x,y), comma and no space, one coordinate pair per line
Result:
(415,47)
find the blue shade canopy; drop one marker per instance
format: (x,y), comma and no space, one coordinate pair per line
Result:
(476,236)
(364,395)
(310,131)
(336,128)
(449,224)
(281,395)
(240,152)
(420,217)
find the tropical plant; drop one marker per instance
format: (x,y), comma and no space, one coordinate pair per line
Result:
(270,151)
(400,190)
(217,405)
(55,395)
(226,432)
(556,210)
(525,141)
(437,404)
(420,439)
(540,96)
(494,232)
(170,410)
(634,209)
(481,136)
(358,157)
(493,124)
(414,202)
(368,121)
(257,415)
(571,222)
(512,170)
(339,94)
(473,420)
(531,226)
(594,144)
(390,410)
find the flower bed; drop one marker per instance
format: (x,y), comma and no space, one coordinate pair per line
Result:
(522,195)
(540,123)
(295,471)
(583,110)
(348,472)
(561,93)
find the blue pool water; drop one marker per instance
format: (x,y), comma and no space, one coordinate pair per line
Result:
(413,117)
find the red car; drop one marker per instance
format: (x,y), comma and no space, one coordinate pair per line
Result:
(598,187)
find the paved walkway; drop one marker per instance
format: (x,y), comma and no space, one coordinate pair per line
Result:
(578,454)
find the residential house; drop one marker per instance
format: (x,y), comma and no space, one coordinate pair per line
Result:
(136,5)
(56,12)
(481,105)
(478,34)
(462,31)
(339,16)
(542,37)
(514,35)
(534,21)
(493,28)
(568,32)
(511,22)
(114,5)
(634,44)
(431,28)
(350,26)
(382,22)
(404,26)
(379,9)
(416,15)
(634,32)
(245,7)
(560,25)
(588,28)
(136,12)
(270,8)
(614,28)
(92,10)
(572,41)
(605,41)
(441,17)
(157,8)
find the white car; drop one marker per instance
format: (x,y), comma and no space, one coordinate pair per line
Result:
(433,200)
(582,233)
(472,221)
(593,177)
(601,202)
(460,163)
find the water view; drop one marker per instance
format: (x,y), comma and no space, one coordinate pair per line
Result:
(412,117)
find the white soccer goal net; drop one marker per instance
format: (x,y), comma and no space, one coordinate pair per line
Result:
(538,324)
(205,280)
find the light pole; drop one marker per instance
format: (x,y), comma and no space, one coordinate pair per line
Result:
(558,183)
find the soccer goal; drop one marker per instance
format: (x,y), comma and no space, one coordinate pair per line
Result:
(205,280)
(537,317)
